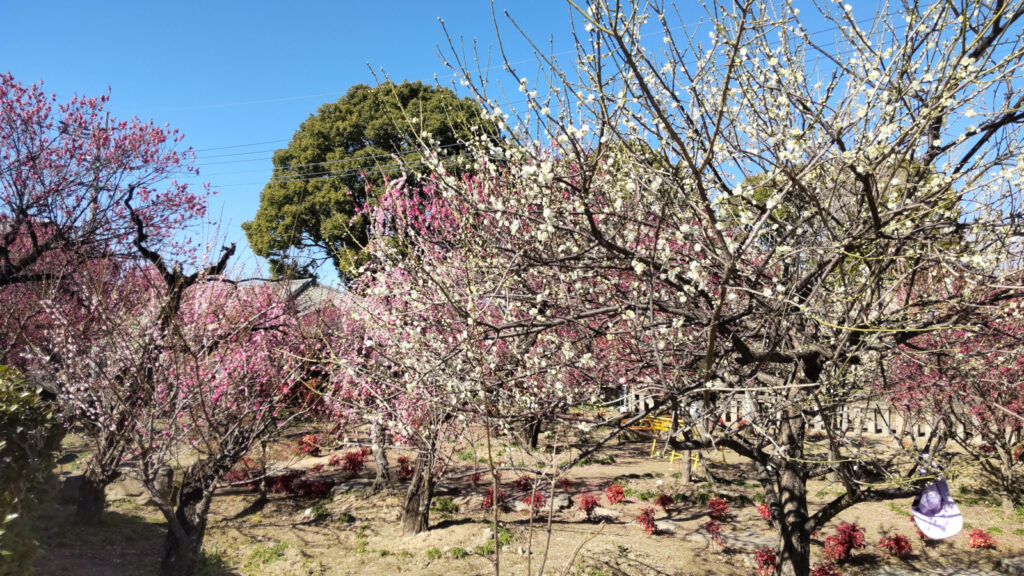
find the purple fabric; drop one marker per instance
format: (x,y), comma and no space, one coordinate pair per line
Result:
(935,512)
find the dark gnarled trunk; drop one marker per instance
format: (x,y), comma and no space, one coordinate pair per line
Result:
(416,510)
(382,481)
(184,540)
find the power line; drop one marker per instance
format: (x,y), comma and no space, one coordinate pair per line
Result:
(241,145)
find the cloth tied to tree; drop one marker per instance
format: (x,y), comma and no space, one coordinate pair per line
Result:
(935,513)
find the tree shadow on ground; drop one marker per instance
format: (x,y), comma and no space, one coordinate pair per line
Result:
(119,544)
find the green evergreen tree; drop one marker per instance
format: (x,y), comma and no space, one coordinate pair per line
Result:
(312,208)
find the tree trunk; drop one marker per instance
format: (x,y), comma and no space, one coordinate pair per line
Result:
(184,540)
(382,481)
(92,498)
(100,471)
(529,434)
(794,541)
(687,467)
(416,510)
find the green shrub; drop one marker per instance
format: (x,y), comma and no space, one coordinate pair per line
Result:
(29,437)
(320,511)
(264,555)
(458,553)
(445,505)
(433,553)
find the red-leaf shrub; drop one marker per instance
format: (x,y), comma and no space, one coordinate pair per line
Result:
(765,512)
(309,444)
(565,483)
(718,509)
(353,461)
(334,460)
(535,500)
(646,520)
(826,569)
(283,484)
(978,538)
(588,502)
(664,501)
(714,530)
(847,538)
(405,470)
(310,488)
(614,493)
(522,483)
(317,468)
(489,500)
(475,478)
(242,477)
(765,560)
(896,545)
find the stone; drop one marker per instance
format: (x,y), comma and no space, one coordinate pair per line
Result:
(600,512)
(125,488)
(1014,566)
(164,485)
(665,526)
(352,485)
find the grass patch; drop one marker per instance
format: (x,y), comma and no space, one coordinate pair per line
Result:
(263,555)
(458,553)
(466,455)
(898,509)
(603,460)
(980,496)
(487,548)
(345,518)
(433,553)
(1018,532)
(994,530)
(213,562)
(822,494)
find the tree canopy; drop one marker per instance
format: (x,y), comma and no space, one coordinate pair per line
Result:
(313,207)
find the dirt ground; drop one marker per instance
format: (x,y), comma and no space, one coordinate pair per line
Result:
(355,532)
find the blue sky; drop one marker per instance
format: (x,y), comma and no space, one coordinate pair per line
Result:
(239,77)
